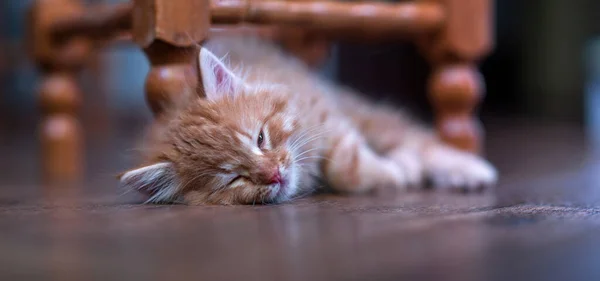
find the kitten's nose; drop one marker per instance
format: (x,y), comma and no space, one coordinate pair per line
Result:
(275,177)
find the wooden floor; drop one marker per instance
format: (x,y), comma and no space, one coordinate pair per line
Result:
(541,223)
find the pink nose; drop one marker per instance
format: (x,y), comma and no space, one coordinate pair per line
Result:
(275,178)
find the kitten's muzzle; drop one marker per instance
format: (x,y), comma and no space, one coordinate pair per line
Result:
(275,178)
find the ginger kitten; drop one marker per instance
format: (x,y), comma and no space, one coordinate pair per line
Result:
(268,127)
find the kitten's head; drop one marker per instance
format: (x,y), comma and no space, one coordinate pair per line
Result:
(235,146)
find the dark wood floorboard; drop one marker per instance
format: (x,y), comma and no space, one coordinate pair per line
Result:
(541,223)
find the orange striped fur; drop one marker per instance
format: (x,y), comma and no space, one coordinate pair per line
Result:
(267,127)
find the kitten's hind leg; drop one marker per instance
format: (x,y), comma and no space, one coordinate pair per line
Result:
(352,166)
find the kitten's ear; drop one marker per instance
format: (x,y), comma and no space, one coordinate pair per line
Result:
(218,80)
(156,180)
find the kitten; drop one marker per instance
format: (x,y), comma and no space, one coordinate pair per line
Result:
(263,134)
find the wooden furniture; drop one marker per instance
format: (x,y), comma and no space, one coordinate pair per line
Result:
(452,34)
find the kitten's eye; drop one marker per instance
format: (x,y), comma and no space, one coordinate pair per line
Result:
(261,139)
(235,179)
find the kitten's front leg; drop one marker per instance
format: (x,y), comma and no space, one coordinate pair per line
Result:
(350,165)
(411,161)
(422,155)
(450,168)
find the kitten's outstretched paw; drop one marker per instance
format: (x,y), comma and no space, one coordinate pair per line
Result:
(448,168)
(410,163)
(389,174)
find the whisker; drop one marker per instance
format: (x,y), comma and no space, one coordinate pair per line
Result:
(309,133)
(308,140)
(312,128)
(302,195)
(312,157)
(126,191)
(307,151)
(306,131)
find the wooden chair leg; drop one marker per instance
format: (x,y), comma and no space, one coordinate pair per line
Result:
(172,73)
(61,135)
(168,32)
(456,86)
(455,90)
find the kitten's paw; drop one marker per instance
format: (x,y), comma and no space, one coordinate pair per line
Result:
(411,164)
(394,175)
(448,168)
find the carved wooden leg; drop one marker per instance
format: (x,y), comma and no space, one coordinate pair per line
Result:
(61,135)
(170,40)
(456,86)
(455,91)
(172,73)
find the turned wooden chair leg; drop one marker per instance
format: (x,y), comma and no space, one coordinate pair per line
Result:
(455,90)
(169,40)
(61,135)
(60,132)
(456,86)
(172,73)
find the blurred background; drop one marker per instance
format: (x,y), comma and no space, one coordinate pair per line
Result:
(545,67)
(541,111)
